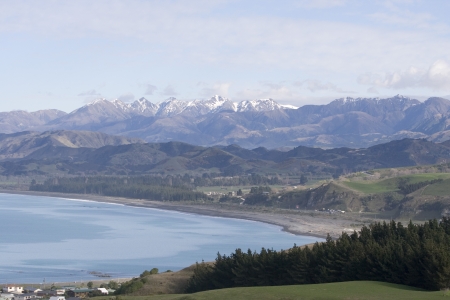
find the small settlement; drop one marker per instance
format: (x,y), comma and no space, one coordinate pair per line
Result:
(15,292)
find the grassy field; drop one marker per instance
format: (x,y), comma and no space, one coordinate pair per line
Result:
(245,188)
(390,185)
(438,189)
(374,187)
(333,291)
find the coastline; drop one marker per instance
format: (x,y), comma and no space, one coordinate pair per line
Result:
(306,223)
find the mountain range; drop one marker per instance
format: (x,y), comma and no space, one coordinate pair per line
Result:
(345,122)
(73,152)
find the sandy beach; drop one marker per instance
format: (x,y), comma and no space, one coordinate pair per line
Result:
(297,222)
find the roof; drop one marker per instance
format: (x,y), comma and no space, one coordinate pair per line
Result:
(83,290)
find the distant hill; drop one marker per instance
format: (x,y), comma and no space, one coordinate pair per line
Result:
(403,194)
(19,120)
(97,153)
(35,144)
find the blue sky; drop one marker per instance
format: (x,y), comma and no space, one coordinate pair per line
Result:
(63,54)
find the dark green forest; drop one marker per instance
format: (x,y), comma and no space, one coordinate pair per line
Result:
(406,188)
(143,187)
(414,255)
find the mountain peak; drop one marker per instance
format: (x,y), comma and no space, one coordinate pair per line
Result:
(97,101)
(258,105)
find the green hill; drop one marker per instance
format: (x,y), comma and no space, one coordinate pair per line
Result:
(381,193)
(391,184)
(342,290)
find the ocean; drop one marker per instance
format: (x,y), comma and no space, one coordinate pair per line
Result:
(46,239)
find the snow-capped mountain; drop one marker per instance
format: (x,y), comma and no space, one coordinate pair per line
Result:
(345,122)
(258,105)
(138,107)
(173,106)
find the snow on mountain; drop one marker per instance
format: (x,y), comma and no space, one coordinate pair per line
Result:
(173,106)
(288,106)
(144,107)
(350,100)
(170,107)
(258,105)
(120,105)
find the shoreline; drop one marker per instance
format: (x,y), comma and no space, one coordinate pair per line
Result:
(306,223)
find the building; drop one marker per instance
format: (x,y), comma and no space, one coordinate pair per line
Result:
(13,289)
(80,293)
(32,290)
(27,296)
(47,293)
(103,291)
(56,298)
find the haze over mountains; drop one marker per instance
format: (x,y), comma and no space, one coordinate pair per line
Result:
(345,122)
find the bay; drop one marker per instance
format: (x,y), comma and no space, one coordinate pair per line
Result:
(63,240)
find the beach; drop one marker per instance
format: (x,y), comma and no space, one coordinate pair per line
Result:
(298,222)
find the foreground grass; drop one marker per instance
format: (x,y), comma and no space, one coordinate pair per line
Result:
(369,290)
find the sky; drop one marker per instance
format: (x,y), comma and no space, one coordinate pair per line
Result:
(63,54)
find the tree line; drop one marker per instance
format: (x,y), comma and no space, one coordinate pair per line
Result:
(144,187)
(406,188)
(414,255)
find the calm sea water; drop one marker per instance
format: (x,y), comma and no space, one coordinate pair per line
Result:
(65,240)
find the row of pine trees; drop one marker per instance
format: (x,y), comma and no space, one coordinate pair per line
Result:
(414,255)
(151,188)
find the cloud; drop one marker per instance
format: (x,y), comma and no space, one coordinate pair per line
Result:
(89,93)
(372,90)
(181,29)
(169,91)
(436,77)
(316,85)
(321,4)
(150,89)
(276,91)
(217,89)
(399,13)
(128,97)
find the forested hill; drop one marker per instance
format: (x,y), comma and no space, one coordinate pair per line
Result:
(414,255)
(179,158)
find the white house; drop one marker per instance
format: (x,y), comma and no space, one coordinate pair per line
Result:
(57,298)
(103,290)
(13,289)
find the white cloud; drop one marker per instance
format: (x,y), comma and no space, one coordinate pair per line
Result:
(399,13)
(372,90)
(181,29)
(128,97)
(320,3)
(436,77)
(169,91)
(317,85)
(150,89)
(217,89)
(89,93)
(267,90)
